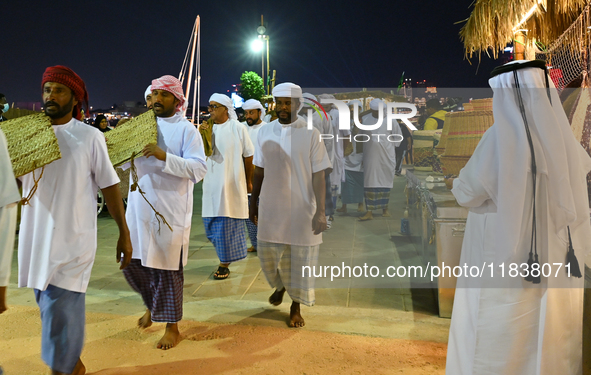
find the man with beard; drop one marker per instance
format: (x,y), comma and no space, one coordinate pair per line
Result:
(290,163)
(254,112)
(167,175)
(148,97)
(57,238)
(226,186)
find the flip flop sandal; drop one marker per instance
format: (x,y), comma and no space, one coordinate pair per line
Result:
(221,273)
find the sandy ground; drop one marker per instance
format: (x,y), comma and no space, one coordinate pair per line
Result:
(115,346)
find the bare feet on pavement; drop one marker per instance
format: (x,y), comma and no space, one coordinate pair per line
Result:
(171,337)
(145,321)
(368,216)
(360,207)
(295,318)
(277,297)
(386,213)
(80,369)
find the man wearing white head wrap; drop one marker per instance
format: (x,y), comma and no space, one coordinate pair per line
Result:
(254,112)
(337,176)
(352,188)
(379,160)
(226,185)
(505,325)
(323,122)
(148,97)
(290,163)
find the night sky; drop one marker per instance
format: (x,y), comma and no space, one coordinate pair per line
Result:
(118,47)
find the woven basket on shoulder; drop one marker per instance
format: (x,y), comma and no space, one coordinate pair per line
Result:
(31,142)
(130,138)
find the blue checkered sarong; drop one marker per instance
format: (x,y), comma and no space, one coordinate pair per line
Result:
(62,327)
(161,290)
(227,236)
(252,229)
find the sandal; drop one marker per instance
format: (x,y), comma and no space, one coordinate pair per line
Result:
(251,249)
(221,273)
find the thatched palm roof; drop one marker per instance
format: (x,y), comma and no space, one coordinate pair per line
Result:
(491,24)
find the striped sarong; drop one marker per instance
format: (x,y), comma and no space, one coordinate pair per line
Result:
(352,188)
(252,229)
(227,236)
(377,198)
(62,327)
(282,265)
(161,290)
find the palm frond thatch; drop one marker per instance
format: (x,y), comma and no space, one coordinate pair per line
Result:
(491,24)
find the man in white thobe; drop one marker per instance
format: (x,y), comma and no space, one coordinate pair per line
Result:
(225,187)
(167,175)
(502,323)
(379,159)
(57,236)
(289,178)
(352,187)
(254,112)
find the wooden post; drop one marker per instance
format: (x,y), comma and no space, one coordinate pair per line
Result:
(519,44)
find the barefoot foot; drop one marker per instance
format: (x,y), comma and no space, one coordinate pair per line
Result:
(145,321)
(386,213)
(368,216)
(295,318)
(360,207)
(343,209)
(171,337)
(277,297)
(80,369)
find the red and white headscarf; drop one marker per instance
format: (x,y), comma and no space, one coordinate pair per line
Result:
(67,77)
(174,86)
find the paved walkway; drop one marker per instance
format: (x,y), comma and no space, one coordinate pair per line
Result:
(381,306)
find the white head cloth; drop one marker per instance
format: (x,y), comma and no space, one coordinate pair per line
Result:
(354,102)
(502,164)
(147,92)
(307,96)
(374,105)
(288,90)
(254,104)
(226,102)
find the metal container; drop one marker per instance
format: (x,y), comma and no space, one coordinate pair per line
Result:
(449,234)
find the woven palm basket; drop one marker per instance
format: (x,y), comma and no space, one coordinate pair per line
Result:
(130,138)
(31,142)
(463,136)
(449,118)
(482,104)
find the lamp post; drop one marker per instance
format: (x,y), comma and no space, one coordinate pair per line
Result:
(262,37)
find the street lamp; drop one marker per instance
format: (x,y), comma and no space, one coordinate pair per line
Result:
(262,37)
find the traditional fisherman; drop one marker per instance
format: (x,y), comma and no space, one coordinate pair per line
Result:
(525,187)
(226,187)
(167,174)
(254,112)
(148,97)
(9,197)
(323,122)
(352,187)
(290,163)
(379,160)
(57,236)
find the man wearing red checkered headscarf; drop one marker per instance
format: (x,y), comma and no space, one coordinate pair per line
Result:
(57,240)
(167,175)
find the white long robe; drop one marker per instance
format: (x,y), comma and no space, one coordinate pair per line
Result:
(169,188)
(379,154)
(9,196)
(57,237)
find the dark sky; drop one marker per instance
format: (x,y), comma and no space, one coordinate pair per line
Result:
(118,47)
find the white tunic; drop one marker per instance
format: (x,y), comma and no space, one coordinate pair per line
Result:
(379,154)
(253,131)
(9,196)
(224,186)
(57,238)
(503,325)
(338,173)
(354,161)
(169,188)
(289,154)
